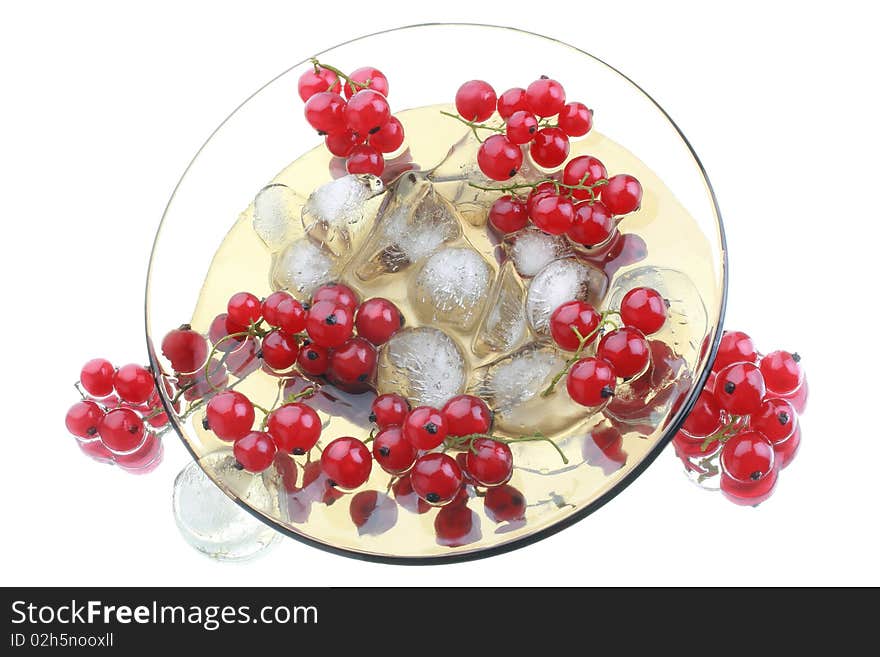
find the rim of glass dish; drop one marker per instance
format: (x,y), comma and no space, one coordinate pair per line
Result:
(557,526)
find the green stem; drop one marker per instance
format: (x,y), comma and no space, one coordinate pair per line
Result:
(354,84)
(557,184)
(583,342)
(467,442)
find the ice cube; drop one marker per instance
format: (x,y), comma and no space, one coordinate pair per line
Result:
(451,287)
(413,223)
(531,250)
(339,215)
(559,281)
(423,364)
(303,267)
(503,324)
(211,522)
(277,208)
(513,386)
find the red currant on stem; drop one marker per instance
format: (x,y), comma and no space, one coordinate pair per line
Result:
(365,159)
(705,417)
(643,308)
(353,364)
(186,349)
(512,101)
(734,347)
(243,309)
(748,468)
(230,415)
(436,478)
(425,427)
(498,158)
(571,319)
(369,78)
(549,147)
(575,119)
(508,214)
(389,410)
(584,171)
(337,293)
(464,415)
(489,462)
(295,427)
(329,323)
(591,382)
(394,453)
(96,377)
(389,137)
(377,320)
(553,213)
(776,420)
(522,127)
(313,359)
(367,112)
(279,350)
(255,451)
(82,419)
(325,112)
(341,144)
(121,430)
(592,224)
(622,194)
(347,462)
(475,100)
(782,372)
(545,97)
(282,311)
(316,80)
(133,383)
(740,388)
(627,350)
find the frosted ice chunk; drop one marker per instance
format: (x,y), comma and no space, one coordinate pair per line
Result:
(503,324)
(531,250)
(336,214)
(423,364)
(276,211)
(451,287)
(303,267)
(413,223)
(210,521)
(560,281)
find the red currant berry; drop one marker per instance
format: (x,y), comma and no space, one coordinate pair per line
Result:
(584,170)
(280,306)
(626,349)
(389,137)
(643,308)
(573,315)
(740,388)
(687,446)
(464,415)
(489,462)
(389,410)
(121,430)
(347,462)
(508,214)
(219,331)
(352,365)
(787,448)
(553,213)
(512,101)
(341,144)
(315,81)
(372,77)
(243,309)
(592,225)
(704,418)
(505,504)
(475,100)
(186,349)
(133,383)
(798,397)
(230,415)
(337,293)
(591,382)
(622,194)
(498,158)
(751,493)
(255,451)
(782,372)
(545,97)
(575,119)
(394,453)
(82,419)
(367,111)
(425,427)
(735,347)
(377,320)
(313,359)
(454,526)
(295,428)
(365,159)
(522,127)
(747,457)
(775,420)
(436,478)
(96,377)
(325,112)
(329,323)
(549,148)
(279,350)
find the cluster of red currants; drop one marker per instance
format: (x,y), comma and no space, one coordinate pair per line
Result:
(746,418)
(584,204)
(110,421)
(527,115)
(622,352)
(359,126)
(318,338)
(405,444)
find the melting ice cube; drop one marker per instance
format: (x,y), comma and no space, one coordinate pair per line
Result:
(303,267)
(503,325)
(560,281)
(423,364)
(531,250)
(336,214)
(451,287)
(276,210)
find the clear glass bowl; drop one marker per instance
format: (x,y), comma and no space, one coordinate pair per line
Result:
(679,221)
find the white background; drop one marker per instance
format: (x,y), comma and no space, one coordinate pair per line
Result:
(103,105)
